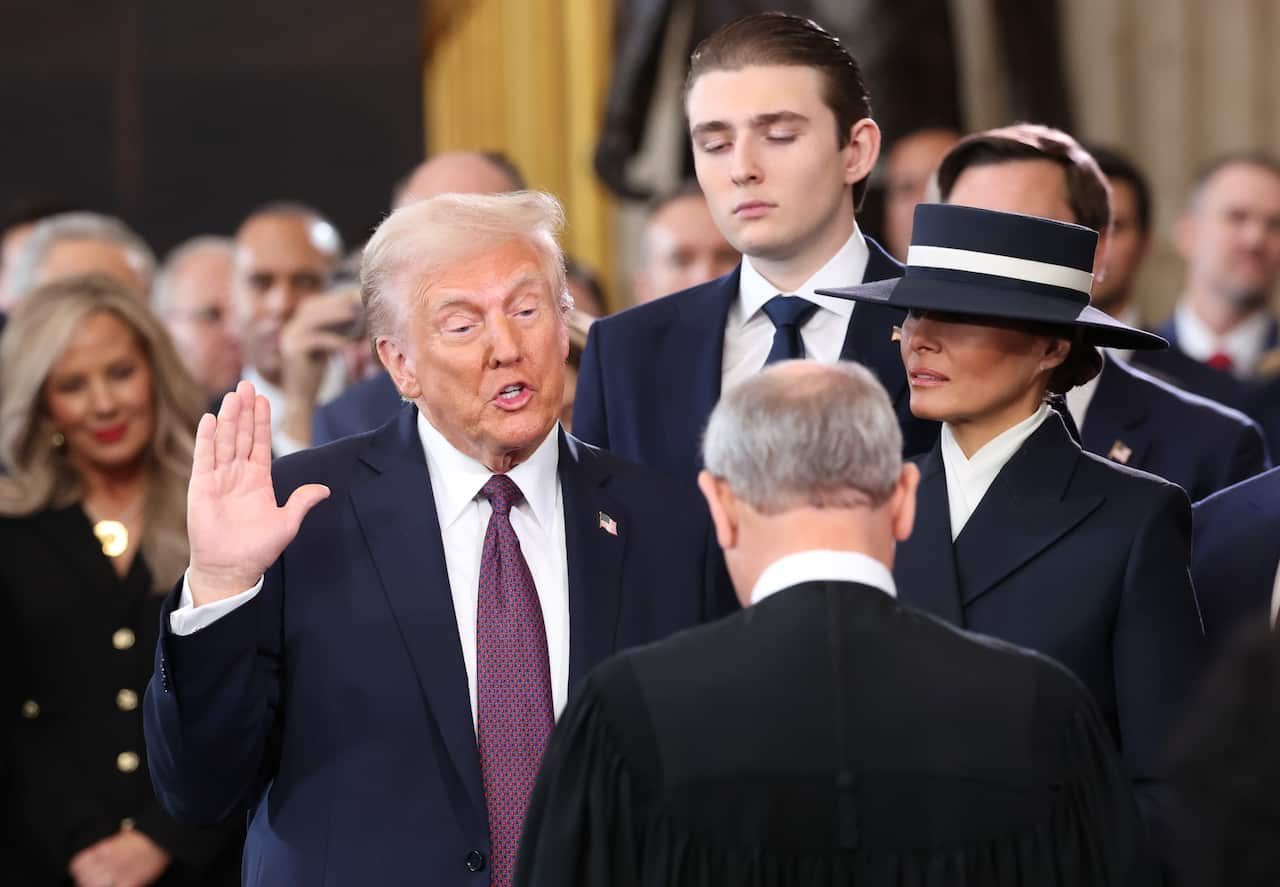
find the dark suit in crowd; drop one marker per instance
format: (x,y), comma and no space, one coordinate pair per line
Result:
(830,735)
(73,762)
(1144,423)
(1235,555)
(1081,560)
(363,407)
(334,707)
(651,375)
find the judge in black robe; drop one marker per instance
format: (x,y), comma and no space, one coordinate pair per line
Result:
(826,734)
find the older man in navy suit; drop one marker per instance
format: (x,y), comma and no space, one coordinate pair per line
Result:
(783,142)
(376,685)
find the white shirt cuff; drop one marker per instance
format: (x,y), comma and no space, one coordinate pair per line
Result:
(187,618)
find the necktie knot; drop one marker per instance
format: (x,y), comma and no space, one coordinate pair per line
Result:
(789,311)
(502,493)
(1221,361)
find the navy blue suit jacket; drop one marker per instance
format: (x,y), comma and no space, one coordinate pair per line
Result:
(1198,444)
(650,375)
(1079,559)
(334,705)
(363,407)
(1176,366)
(1235,555)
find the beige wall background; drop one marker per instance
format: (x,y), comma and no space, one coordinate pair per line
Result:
(1170,82)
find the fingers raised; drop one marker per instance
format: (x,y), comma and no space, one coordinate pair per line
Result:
(202,459)
(261,431)
(224,437)
(245,422)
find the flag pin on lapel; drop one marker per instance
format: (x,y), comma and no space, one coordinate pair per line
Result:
(1120,452)
(608,524)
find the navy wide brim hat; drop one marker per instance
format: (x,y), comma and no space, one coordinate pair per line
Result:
(979,262)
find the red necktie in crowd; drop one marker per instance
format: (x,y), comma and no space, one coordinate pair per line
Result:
(1221,361)
(513,679)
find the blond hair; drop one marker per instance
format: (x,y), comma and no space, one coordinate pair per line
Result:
(40,474)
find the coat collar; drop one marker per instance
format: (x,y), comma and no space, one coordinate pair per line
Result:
(869,339)
(925,565)
(1027,508)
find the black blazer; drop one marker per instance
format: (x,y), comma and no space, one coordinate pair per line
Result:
(334,705)
(72,675)
(1079,559)
(1235,555)
(650,375)
(1142,422)
(829,735)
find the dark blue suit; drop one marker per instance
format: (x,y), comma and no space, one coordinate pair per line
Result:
(650,376)
(334,705)
(1198,444)
(1183,370)
(1079,559)
(363,407)
(1235,555)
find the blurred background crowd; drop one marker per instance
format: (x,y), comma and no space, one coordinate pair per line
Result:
(216,168)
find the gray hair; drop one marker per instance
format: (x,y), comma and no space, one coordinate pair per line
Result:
(166,280)
(431,235)
(75,226)
(806,434)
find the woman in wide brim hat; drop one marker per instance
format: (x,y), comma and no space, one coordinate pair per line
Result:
(1019,533)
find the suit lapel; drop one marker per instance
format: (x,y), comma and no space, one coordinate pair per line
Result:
(1025,511)
(1113,423)
(924,566)
(869,339)
(397,515)
(594,556)
(689,385)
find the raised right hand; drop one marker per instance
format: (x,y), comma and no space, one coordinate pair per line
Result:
(235,529)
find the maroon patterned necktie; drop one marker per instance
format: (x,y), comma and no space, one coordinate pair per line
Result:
(514,715)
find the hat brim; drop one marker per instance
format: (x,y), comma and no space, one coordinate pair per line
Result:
(994,300)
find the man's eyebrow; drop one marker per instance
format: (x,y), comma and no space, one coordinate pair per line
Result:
(709,127)
(762,120)
(516,286)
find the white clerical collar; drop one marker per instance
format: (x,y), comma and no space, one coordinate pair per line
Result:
(822,565)
(457,478)
(969,478)
(1244,343)
(848,266)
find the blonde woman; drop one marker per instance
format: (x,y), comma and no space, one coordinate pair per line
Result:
(97,421)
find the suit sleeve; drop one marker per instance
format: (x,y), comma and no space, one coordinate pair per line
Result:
(1159,649)
(1250,456)
(212,709)
(322,430)
(590,423)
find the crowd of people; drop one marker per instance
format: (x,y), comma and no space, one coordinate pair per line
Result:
(826,562)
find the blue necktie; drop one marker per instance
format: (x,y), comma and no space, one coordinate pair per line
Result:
(788,314)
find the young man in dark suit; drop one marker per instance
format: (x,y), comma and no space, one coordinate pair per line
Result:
(1124,415)
(827,734)
(783,142)
(375,686)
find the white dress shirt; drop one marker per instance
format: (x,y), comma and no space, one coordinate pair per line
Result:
(748,332)
(1244,344)
(1079,398)
(968,479)
(538,521)
(822,565)
(330,387)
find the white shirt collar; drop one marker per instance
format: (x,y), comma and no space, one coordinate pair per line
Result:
(1244,344)
(968,479)
(273,393)
(460,478)
(1079,397)
(846,267)
(822,565)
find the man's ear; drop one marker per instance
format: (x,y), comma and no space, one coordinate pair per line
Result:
(903,506)
(863,150)
(724,508)
(400,367)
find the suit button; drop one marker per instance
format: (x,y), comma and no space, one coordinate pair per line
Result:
(127,762)
(31,709)
(122,639)
(126,700)
(474,861)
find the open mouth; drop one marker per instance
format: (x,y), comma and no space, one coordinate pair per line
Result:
(513,396)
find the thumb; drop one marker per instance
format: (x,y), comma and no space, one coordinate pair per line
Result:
(303,499)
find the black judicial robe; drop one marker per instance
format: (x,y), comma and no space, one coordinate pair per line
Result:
(830,735)
(1085,561)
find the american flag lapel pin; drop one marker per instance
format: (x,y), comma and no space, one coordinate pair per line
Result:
(1120,452)
(608,524)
